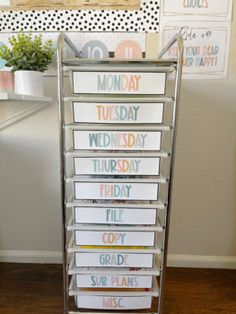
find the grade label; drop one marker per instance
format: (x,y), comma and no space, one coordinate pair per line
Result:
(119,83)
(128,113)
(113,281)
(114,238)
(113,259)
(116,191)
(117,140)
(114,302)
(117,166)
(122,216)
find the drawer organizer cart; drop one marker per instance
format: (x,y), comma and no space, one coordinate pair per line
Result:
(118,127)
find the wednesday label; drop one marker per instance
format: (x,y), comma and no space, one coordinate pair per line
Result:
(117,140)
(118,113)
(113,281)
(113,259)
(125,238)
(117,166)
(119,83)
(116,191)
(114,302)
(122,216)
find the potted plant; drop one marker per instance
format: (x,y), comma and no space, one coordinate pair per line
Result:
(29,57)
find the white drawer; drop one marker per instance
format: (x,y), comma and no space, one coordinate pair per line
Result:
(113,302)
(113,259)
(114,238)
(113,281)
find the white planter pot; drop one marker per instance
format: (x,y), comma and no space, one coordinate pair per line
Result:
(29,83)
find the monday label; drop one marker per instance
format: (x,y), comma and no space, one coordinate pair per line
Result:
(116,191)
(113,281)
(127,113)
(114,238)
(117,140)
(122,216)
(119,83)
(113,302)
(117,166)
(113,259)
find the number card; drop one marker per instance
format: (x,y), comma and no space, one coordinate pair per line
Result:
(114,302)
(117,140)
(115,113)
(113,281)
(104,238)
(117,166)
(116,191)
(109,259)
(122,216)
(119,83)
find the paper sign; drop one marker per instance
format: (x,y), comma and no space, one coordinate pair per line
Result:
(118,83)
(117,166)
(121,216)
(206,47)
(114,238)
(129,113)
(113,281)
(117,140)
(114,303)
(118,259)
(116,191)
(197,9)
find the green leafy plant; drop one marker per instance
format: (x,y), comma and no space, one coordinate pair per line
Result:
(27,53)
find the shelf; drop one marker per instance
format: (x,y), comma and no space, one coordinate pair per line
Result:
(15,107)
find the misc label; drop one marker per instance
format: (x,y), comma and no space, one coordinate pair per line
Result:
(114,238)
(114,302)
(119,259)
(117,140)
(113,281)
(116,191)
(119,83)
(122,216)
(118,113)
(117,166)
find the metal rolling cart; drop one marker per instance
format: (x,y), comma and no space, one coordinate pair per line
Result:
(118,121)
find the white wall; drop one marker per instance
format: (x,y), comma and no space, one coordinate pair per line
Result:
(203,215)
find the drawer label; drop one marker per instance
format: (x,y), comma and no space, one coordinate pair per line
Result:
(119,83)
(114,302)
(122,216)
(117,166)
(116,191)
(113,259)
(113,281)
(114,238)
(117,140)
(118,113)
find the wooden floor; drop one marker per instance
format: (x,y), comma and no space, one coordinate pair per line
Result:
(37,289)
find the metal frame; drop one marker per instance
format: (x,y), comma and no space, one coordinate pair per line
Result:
(63,38)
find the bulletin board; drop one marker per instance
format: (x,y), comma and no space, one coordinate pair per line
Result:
(141,18)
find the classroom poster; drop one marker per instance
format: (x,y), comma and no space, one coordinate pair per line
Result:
(189,10)
(206,47)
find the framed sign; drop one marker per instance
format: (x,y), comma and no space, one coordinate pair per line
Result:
(119,259)
(131,83)
(122,216)
(114,238)
(113,281)
(187,10)
(114,302)
(125,113)
(117,166)
(117,140)
(116,191)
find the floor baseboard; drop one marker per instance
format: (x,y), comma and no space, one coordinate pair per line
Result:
(174,260)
